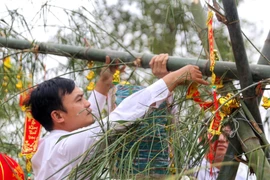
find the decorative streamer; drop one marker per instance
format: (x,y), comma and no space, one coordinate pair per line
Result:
(215,125)
(211,44)
(218,81)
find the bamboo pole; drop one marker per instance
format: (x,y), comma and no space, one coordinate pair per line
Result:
(265,55)
(264,58)
(259,72)
(251,146)
(243,70)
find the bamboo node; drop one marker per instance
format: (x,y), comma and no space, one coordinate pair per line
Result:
(249,138)
(137,62)
(256,126)
(236,21)
(239,159)
(35,48)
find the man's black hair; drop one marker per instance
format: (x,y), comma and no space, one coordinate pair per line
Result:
(47,97)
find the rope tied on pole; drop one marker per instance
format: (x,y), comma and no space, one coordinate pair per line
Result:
(137,62)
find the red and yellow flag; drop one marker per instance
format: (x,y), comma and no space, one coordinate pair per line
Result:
(32,131)
(10,169)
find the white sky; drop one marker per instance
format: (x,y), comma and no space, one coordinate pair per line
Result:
(257,12)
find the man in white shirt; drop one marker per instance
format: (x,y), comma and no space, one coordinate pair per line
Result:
(59,105)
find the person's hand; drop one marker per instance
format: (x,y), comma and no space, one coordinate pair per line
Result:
(106,76)
(190,73)
(184,75)
(158,65)
(108,71)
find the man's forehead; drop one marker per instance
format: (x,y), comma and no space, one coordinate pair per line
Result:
(78,89)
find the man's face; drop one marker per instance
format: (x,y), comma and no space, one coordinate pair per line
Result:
(222,144)
(78,112)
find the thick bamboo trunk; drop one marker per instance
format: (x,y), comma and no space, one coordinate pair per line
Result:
(265,57)
(259,72)
(252,148)
(265,60)
(242,65)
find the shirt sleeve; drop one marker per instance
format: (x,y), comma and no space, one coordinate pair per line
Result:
(134,106)
(97,101)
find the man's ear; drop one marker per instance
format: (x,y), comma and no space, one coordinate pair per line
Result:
(57,116)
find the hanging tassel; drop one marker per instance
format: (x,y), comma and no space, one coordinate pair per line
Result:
(214,129)
(215,125)
(116,77)
(90,76)
(211,44)
(211,154)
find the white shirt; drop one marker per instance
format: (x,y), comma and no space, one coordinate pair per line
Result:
(204,172)
(51,156)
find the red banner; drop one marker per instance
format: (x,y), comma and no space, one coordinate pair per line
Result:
(211,44)
(32,129)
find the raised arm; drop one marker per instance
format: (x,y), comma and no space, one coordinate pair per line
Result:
(183,76)
(99,96)
(136,105)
